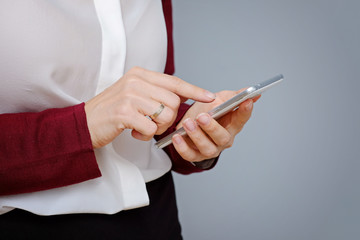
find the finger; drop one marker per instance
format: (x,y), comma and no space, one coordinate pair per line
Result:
(162,115)
(140,136)
(145,128)
(164,120)
(201,141)
(147,98)
(240,90)
(159,113)
(240,117)
(219,135)
(256,98)
(148,107)
(178,86)
(161,95)
(143,103)
(184,150)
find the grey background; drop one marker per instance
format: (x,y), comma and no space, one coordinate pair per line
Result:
(293,172)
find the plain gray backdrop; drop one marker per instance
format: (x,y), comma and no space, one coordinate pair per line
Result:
(293,172)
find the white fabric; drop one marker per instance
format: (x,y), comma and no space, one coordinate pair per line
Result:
(62,52)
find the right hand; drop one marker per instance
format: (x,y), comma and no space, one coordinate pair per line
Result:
(139,93)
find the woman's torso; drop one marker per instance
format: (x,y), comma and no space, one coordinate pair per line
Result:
(58,53)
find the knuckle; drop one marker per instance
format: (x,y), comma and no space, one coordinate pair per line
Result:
(132,82)
(175,101)
(186,154)
(196,138)
(210,152)
(190,158)
(168,116)
(229,143)
(149,131)
(224,141)
(241,123)
(124,114)
(183,153)
(136,70)
(177,82)
(211,128)
(125,109)
(151,128)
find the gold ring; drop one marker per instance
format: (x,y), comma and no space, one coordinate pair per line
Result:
(157,113)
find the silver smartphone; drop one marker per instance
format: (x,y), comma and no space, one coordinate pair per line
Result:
(230,105)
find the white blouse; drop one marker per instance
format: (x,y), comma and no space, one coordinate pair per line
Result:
(66,52)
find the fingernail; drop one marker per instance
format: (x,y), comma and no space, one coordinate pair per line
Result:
(210,95)
(189,124)
(177,139)
(249,106)
(203,118)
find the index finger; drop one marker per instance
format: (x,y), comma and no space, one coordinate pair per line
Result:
(178,86)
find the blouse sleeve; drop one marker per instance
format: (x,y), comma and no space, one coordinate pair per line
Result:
(45,150)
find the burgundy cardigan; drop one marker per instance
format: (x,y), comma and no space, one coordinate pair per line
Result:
(52,148)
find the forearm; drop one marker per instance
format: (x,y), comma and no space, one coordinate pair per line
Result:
(44,150)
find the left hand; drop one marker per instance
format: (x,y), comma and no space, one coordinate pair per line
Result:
(206,137)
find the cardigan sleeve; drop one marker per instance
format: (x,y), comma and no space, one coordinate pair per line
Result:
(44,150)
(167,9)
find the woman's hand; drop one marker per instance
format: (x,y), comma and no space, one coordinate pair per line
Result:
(206,137)
(138,94)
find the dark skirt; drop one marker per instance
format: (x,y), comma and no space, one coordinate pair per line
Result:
(157,221)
